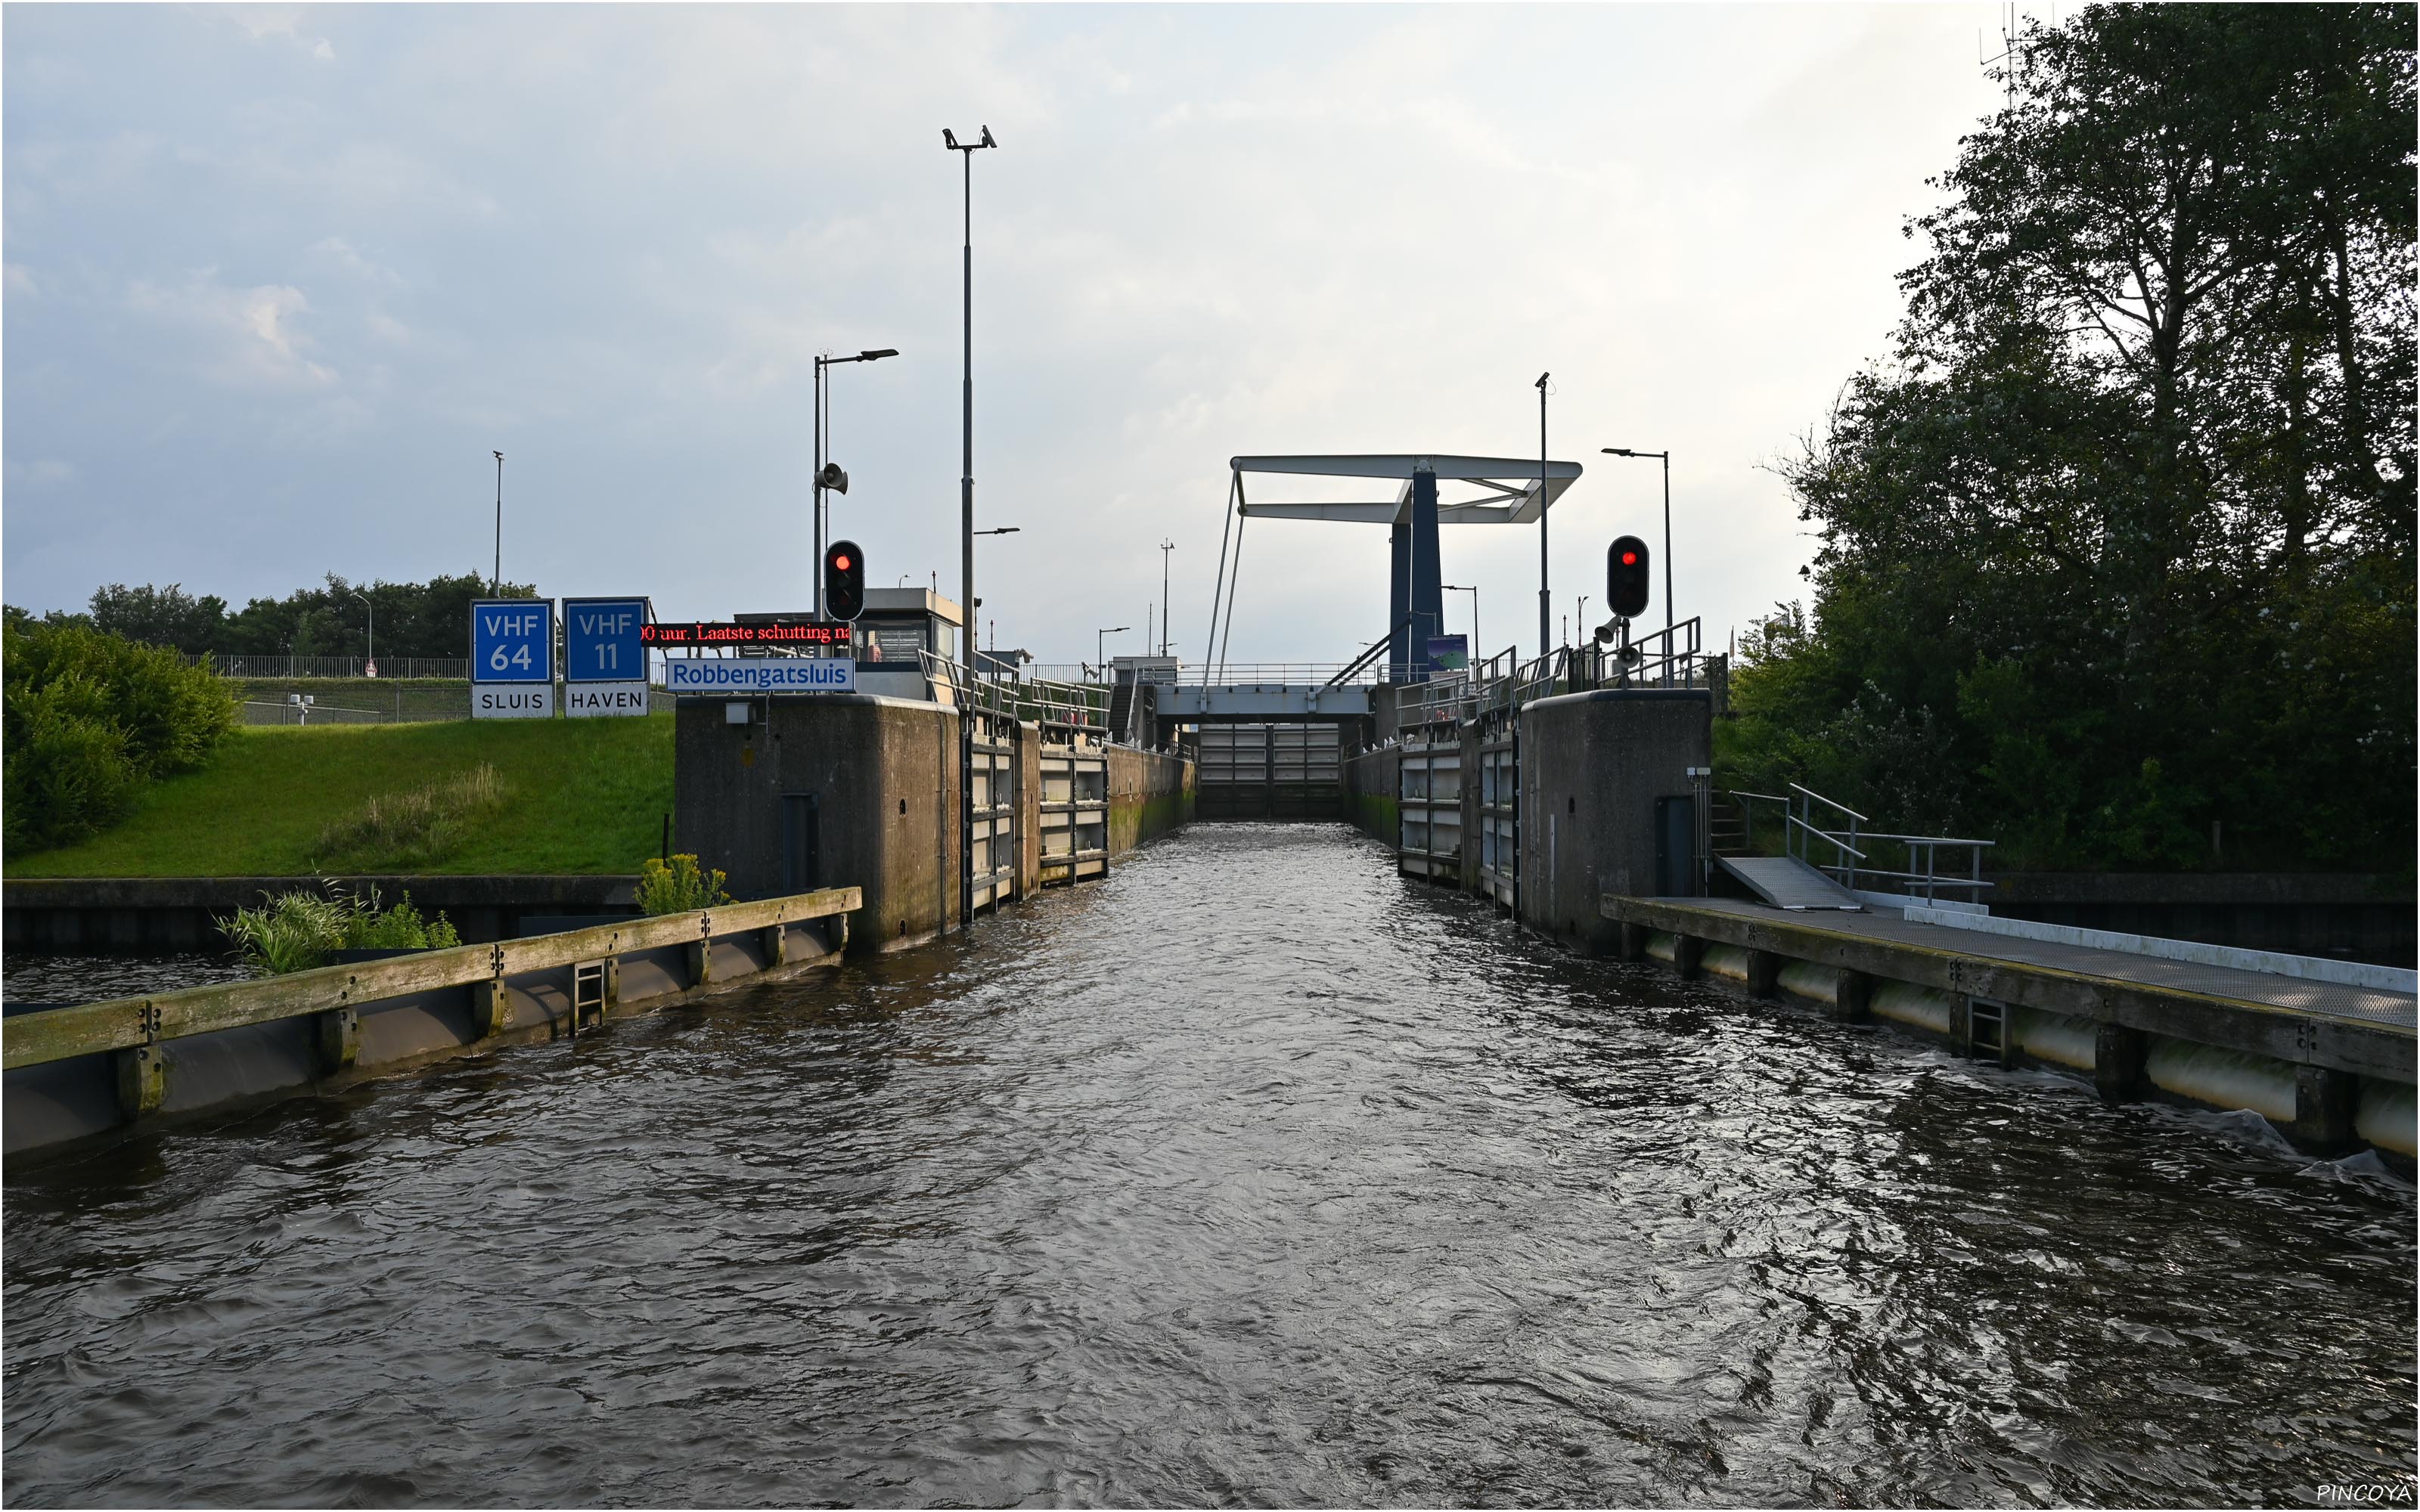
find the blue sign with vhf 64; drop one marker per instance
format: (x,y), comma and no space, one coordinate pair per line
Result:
(512,658)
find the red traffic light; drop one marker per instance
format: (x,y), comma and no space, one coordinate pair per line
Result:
(1625,576)
(844,580)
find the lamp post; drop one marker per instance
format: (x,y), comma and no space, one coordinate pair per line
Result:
(1004,530)
(826,477)
(1665,457)
(1100,646)
(372,658)
(1164,547)
(1545,605)
(496,584)
(965,151)
(1473,590)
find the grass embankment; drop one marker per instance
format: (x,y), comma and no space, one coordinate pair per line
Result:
(559,795)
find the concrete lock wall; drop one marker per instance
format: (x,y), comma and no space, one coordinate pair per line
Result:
(883,775)
(1592,765)
(1150,795)
(1372,784)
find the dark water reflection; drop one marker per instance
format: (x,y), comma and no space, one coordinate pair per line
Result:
(1255,1175)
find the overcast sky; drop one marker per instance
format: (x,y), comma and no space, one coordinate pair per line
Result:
(278,280)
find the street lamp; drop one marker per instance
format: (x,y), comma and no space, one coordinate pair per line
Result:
(1665,457)
(1164,547)
(1473,591)
(496,584)
(1005,530)
(1100,644)
(372,658)
(966,152)
(826,475)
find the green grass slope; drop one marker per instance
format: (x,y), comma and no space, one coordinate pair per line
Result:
(581,796)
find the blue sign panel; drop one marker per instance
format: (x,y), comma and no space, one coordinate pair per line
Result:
(512,640)
(760,674)
(600,640)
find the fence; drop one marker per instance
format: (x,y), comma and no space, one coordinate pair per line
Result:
(407,669)
(366,702)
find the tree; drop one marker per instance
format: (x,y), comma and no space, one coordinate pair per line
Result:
(159,616)
(2120,545)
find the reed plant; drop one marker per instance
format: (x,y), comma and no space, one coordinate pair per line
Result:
(299,930)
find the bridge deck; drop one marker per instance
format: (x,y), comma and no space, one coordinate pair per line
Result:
(2361,1029)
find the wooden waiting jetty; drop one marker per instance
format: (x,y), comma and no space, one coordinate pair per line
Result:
(72,1074)
(2324,1050)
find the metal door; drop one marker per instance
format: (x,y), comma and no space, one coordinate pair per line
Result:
(1676,847)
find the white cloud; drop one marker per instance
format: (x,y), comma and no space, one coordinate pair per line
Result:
(345,255)
(279,23)
(42,473)
(248,337)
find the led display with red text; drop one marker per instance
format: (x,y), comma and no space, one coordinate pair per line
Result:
(722,633)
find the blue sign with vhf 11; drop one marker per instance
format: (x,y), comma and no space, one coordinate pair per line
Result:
(601,641)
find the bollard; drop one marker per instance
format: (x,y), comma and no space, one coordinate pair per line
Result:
(337,1038)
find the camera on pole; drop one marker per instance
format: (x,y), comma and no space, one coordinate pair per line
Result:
(844,580)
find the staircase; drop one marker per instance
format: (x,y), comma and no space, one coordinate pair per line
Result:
(1122,699)
(1726,827)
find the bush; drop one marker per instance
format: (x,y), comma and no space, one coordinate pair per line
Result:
(297,930)
(399,831)
(679,888)
(90,718)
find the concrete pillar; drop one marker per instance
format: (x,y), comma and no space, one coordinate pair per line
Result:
(142,1081)
(701,962)
(2323,1110)
(774,940)
(337,1038)
(2118,1063)
(1763,972)
(492,1008)
(1853,1000)
(1633,942)
(1592,765)
(1687,950)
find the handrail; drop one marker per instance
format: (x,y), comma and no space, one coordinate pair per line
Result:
(1820,798)
(126,1023)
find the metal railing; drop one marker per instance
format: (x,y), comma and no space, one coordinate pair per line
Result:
(1848,858)
(1036,698)
(390,669)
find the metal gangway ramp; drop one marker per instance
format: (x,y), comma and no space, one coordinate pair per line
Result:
(1786,882)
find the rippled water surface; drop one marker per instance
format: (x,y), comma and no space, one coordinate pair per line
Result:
(1255,1174)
